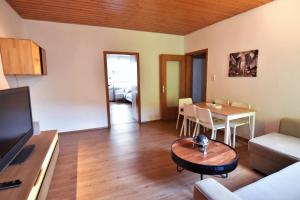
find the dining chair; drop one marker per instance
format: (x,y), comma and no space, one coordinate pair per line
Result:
(181,103)
(221,101)
(205,119)
(234,124)
(189,116)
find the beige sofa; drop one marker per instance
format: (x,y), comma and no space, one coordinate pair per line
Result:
(282,185)
(274,151)
(276,154)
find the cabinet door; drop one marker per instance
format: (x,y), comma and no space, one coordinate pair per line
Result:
(36,59)
(20,57)
(15,55)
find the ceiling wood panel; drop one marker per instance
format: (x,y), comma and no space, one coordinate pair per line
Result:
(165,16)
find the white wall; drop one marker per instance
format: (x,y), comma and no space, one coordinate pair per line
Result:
(11,25)
(274,29)
(3,81)
(72,95)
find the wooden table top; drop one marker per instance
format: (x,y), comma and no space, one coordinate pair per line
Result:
(218,153)
(225,110)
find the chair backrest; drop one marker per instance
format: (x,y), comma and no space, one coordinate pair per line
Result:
(185,101)
(189,110)
(181,103)
(204,117)
(221,101)
(240,105)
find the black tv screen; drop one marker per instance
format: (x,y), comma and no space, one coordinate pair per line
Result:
(16,125)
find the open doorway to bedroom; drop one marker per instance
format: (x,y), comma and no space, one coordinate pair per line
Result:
(122,87)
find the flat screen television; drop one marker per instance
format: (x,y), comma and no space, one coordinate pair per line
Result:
(16,126)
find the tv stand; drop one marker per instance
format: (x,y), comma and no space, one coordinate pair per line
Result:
(23,155)
(35,171)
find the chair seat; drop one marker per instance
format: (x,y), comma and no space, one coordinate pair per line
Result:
(239,122)
(219,123)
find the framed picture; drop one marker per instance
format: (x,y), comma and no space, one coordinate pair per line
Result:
(243,64)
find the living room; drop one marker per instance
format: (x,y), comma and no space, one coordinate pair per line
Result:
(72,97)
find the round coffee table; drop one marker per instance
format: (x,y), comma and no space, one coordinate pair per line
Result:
(219,160)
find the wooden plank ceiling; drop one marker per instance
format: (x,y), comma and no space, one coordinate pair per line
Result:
(165,16)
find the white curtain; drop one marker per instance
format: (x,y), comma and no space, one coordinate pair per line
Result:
(122,70)
(3,82)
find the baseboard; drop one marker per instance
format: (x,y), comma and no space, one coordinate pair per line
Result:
(239,137)
(84,130)
(102,128)
(242,139)
(151,121)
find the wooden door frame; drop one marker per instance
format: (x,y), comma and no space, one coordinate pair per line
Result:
(189,65)
(137,55)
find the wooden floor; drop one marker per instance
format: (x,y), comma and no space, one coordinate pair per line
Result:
(121,113)
(130,162)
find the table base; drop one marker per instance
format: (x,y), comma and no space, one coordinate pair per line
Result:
(180,169)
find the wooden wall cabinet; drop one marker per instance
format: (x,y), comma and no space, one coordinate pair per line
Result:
(22,57)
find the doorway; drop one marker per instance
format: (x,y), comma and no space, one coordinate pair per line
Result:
(122,87)
(196,76)
(182,76)
(198,68)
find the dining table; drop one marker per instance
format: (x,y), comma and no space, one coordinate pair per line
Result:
(228,113)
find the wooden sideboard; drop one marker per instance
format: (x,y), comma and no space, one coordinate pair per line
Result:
(37,170)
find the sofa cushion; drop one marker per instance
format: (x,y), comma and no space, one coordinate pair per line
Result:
(283,184)
(210,189)
(283,144)
(290,127)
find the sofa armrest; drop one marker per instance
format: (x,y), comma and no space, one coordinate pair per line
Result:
(289,126)
(209,189)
